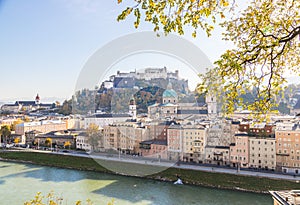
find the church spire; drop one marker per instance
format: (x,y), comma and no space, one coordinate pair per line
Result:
(37,99)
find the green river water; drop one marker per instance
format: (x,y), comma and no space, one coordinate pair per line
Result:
(20,182)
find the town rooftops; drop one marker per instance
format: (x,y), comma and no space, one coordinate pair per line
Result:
(242,135)
(201,127)
(38,123)
(158,142)
(33,132)
(258,125)
(107,115)
(56,136)
(25,103)
(217,147)
(235,122)
(175,126)
(192,112)
(286,197)
(168,105)
(168,123)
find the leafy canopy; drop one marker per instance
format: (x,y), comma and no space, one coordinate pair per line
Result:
(94,136)
(266,36)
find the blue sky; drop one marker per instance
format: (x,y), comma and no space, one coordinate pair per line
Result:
(45,44)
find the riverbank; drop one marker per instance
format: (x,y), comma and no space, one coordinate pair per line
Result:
(202,178)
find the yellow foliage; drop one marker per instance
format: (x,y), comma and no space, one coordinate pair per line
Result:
(48,141)
(265,35)
(52,199)
(67,144)
(17,140)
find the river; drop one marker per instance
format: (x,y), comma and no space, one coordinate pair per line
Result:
(20,182)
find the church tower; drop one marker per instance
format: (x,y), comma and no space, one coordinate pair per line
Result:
(132,109)
(37,99)
(211,102)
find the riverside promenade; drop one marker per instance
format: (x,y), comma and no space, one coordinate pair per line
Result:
(167,164)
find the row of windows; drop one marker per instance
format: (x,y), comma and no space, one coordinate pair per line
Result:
(196,133)
(259,162)
(287,145)
(294,164)
(285,151)
(258,142)
(174,148)
(83,145)
(253,130)
(239,150)
(191,137)
(238,158)
(259,155)
(81,141)
(266,149)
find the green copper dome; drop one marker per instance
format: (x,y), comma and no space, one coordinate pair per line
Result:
(169,93)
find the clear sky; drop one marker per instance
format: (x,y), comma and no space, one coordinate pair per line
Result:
(45,44)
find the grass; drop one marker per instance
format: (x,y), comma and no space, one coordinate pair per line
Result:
(209,179)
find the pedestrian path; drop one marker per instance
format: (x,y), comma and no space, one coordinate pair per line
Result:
(202,168)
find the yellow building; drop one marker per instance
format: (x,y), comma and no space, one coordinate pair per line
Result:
(262,154)
(125,137)
(187,143)
(111,135)
(194,141)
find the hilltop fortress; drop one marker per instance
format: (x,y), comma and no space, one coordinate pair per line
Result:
(145,76)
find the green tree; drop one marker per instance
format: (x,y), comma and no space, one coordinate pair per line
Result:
(95,137)
(66,108)
(5,132)
(265,35)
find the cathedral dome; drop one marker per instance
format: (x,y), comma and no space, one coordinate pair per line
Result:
(169,93)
